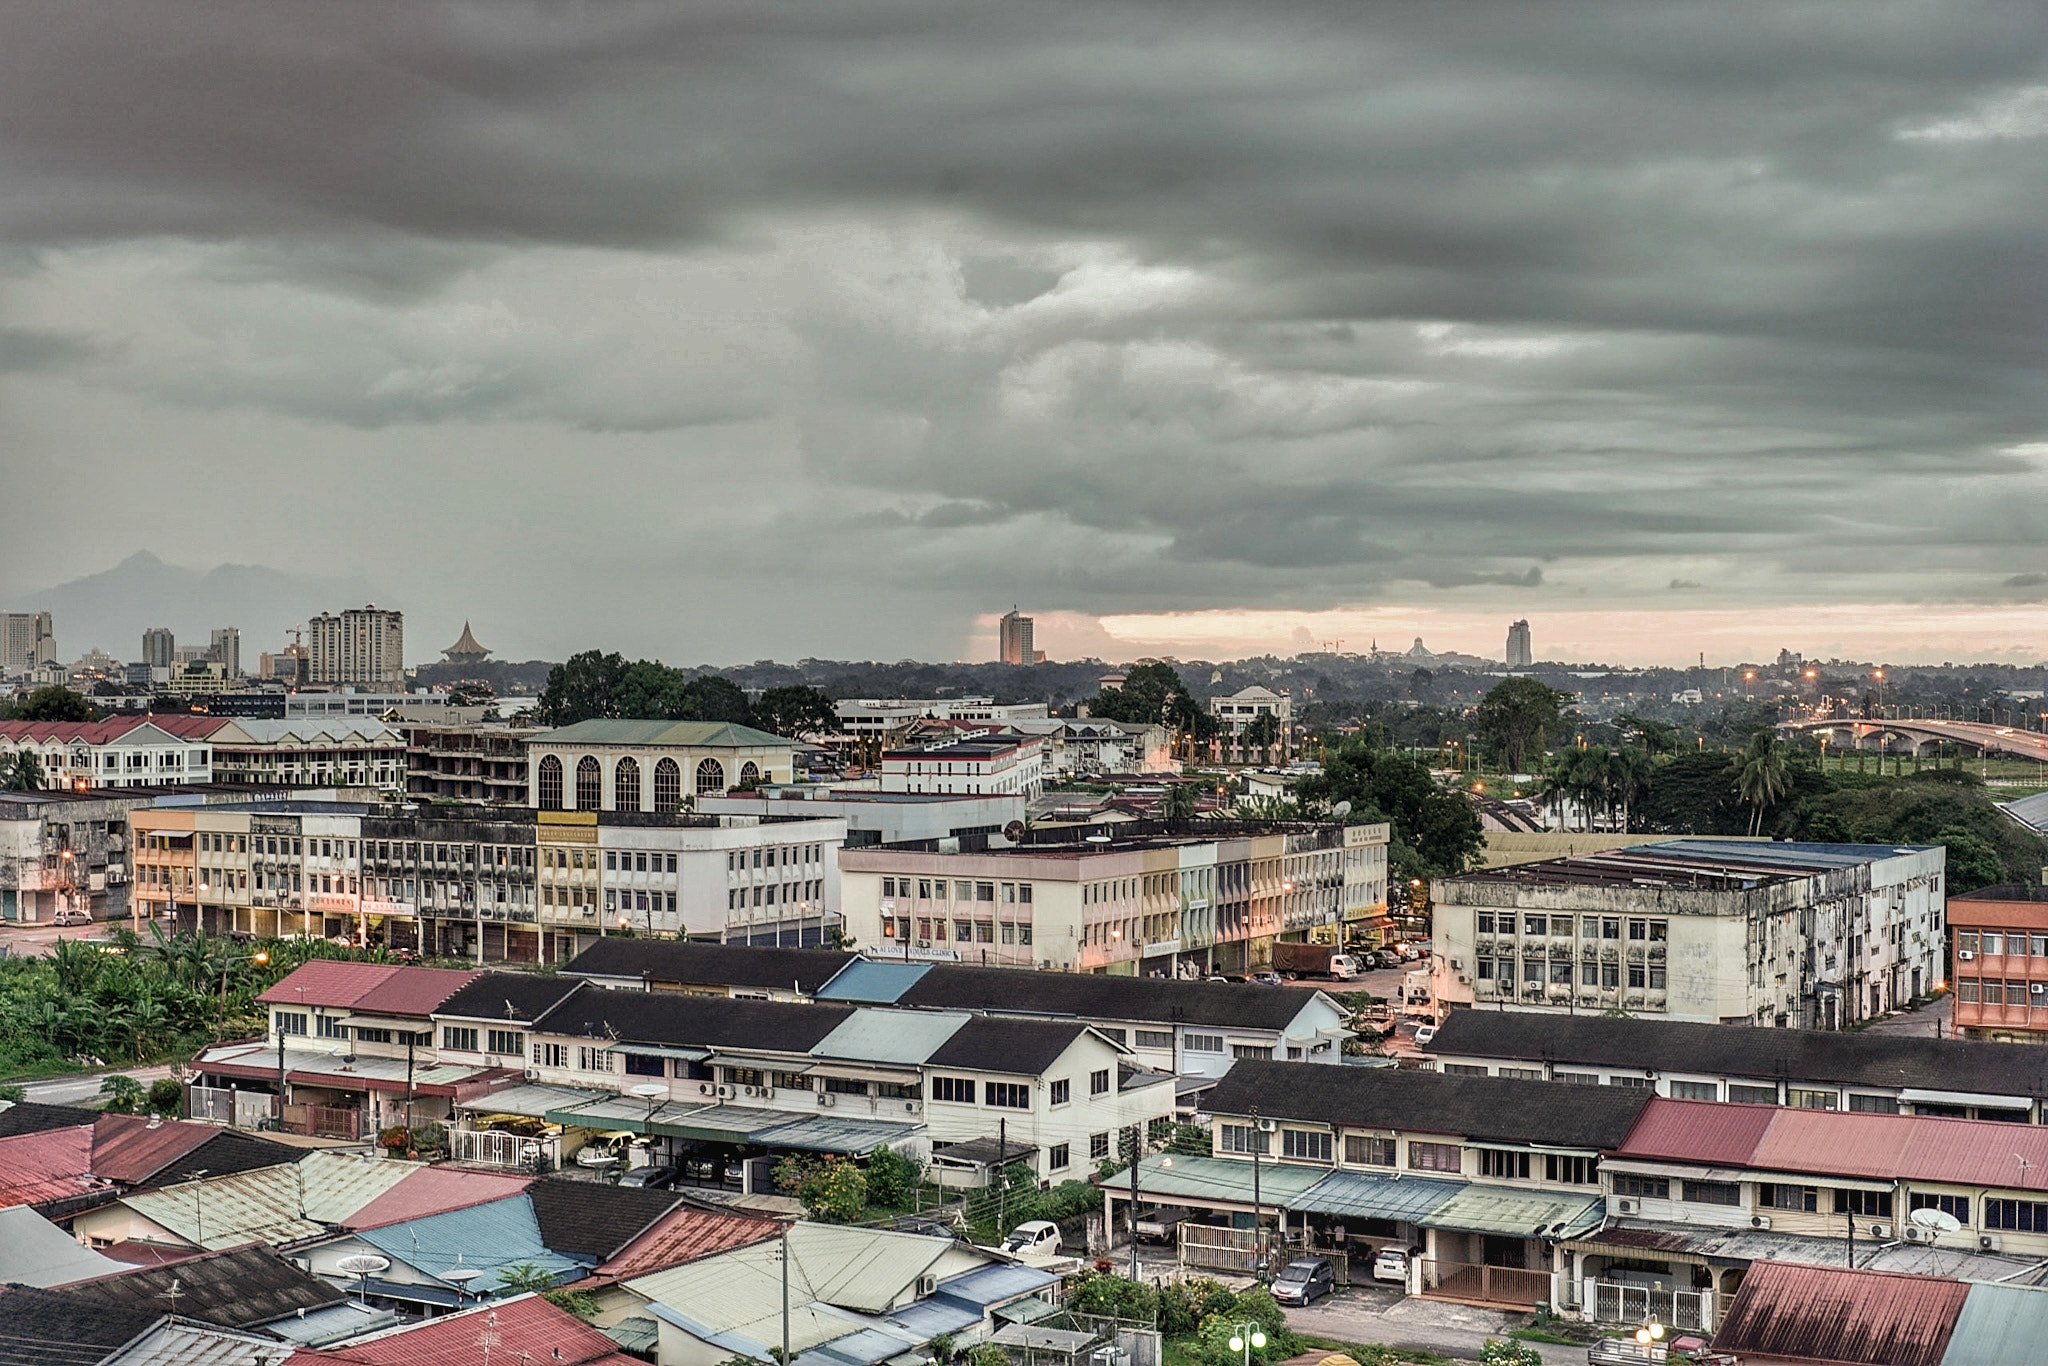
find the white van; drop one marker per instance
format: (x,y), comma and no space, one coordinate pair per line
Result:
(1344,967)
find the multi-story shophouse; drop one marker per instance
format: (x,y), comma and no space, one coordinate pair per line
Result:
(126,751)
(64,851)
(1802,935)
(1134,899)
(1999,939)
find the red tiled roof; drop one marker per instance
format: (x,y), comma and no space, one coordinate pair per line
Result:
(526,1327)
(129,1148)
(434,1190)
(328,982)
(413,991)
(41,1167)
(1827,1314)
(106,732)
(685,1235)
(1842,1143)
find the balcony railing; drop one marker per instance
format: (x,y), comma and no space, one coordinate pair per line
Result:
(1618,1302)
(1490,1284)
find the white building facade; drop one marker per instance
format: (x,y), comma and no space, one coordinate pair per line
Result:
(986,766)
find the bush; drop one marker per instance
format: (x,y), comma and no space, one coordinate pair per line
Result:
(1498,1352)
(891,1178)
(124,1095)
(1113,1296)
(830,1188)
(166,1097)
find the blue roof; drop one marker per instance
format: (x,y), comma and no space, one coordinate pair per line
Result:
(1999,1325)
(992,1285)
(1789,853)
(489,1237)
(863,1348)
(872,983)
(929,1318)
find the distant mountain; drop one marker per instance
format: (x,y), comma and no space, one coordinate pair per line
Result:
(111,609)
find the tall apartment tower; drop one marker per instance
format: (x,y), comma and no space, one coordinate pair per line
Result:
(227,650)
(28,641)
(1520,655)
(362,646)
(1014,631)
(159,648)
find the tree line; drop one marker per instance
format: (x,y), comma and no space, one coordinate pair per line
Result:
(594,685)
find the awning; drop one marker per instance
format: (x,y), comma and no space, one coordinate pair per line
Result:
(723,1123)
(655,1050)
(1517,1213)
(1215,1182)
(829,1134)
(1373,1195)
(1924,1096)
(825,1067)
(1028,1310)
(617,1112)
(530,1102)
(635,1334)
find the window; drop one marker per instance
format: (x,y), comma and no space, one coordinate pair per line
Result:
(1155,1038)
(1485,922)
(1243,1138)
(638,1065)
(1993,943)
(1007,1095)
(1503,1165)
(1957,1207)
(1864,1204)
(1305,1144)
(1638,974)
(2017,1216)
(1203,1043)
(1366,1151)
(506,1041)
(1966,990)
(1098,1082)
(1713,1192)
(1874,1105)
(1966,940)
(743,1076)
(1807,1098)
(1435,1157)
(845,1086)
(1098,1147)
(957,1089)
(1638,929)
(1464,1069)
(594,1060)
(1642,1187)
(668,786)
(1806,1198)
(373,1036)
(1062,1091)
(790,1081)
(291,1022)
(1057,1158)
(1752,1095)
(1695,1090)
(1639,1083)
(1571,1171)
(458,1038)
(329,1026)
(1535,924)
(551,1055)
(1251,1050)
(1523,1073)
(1577,1078)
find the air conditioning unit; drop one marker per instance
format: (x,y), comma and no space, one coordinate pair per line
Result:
(1759,1221)
(1628,1206)
(911,1107)
(533,1074)
(1965,954)
(826,1100)
(927,1285)
(1880,1230)
(924,943)
(727,1092)
(706,1089)
(1988,1242)
(752,1090)
(1915,1233)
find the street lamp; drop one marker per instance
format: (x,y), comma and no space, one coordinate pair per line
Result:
(259,958)
(1647,1336)
(1245,1337)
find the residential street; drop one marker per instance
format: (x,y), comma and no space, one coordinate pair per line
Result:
(80,1089)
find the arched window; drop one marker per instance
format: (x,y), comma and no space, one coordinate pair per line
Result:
(551,784)
(750,775)
(589,784)
(710,777)
(626,786)
(668,786)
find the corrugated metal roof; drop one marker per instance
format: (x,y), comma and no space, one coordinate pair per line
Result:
(897,1036)
(270,1204)
(1517,1213)
(523,1327)
(413,991)
(178,1343)
(858,1269)
(687,1235)
(132,1148)
(1823,1314)
(328,982)
(50,1165)
(34,1251)
(1999,1325)
(489,1237)
(996,1284)
(1706,1243)
(1221,1180)
(532,1101)
(827,1133)
(872,983)
(323,1067)
(1374,1195)
(1697,1131)
(336,1323)
(434,1190)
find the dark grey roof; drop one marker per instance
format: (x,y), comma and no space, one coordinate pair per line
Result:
(59,1328)
(682,962)
(520,996)
(1018,991)
(1483,1108)
(235,1289)
(994,1043)
(227,1151)
(32,1117)
(593,1218)
(668,1017)
(1737,1050)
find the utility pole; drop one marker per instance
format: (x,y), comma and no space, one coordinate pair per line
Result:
(1137,1151)
(785,1293)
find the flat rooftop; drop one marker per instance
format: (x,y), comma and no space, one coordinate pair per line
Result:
(1705,864)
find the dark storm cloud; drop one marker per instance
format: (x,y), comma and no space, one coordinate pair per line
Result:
(1128,307)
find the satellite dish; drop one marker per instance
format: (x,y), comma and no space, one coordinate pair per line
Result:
(1936,1221)
(1102,839)
(1341,809)
(363,1264)
(1014,830)
(648,1090)
(462,1275)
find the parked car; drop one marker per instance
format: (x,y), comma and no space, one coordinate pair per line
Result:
(72,916)
(1387,958)
(652,1178)
(1423,1035)
(1160,1224)
(1040,1236)
(1269,979)
(1304,1278)
(1390,1264)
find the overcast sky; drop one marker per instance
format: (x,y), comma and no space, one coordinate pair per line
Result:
(726,331)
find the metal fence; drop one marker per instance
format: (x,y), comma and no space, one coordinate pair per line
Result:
(226,1105)
(1491,1284)
(1220,1249)
(1618,1302)
(323,1121)
(493,1148)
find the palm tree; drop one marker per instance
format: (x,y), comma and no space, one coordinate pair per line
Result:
(1762,778)
(1179,802)
(22,771)
(1263,731)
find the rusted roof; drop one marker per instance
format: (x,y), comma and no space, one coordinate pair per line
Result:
(523,1328)
(413,991)
(42,1168)
(182,727)
(131,1148)
(434,1190)
(685,1235)
(1826,1314)
(328,982)
(1842,1143)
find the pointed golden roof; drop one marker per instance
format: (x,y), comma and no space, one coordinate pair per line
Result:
(465,649)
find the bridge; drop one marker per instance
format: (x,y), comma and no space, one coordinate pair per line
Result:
(1910,736)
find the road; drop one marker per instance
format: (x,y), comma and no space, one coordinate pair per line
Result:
(34,941)
(82,1089)
(1381,1314)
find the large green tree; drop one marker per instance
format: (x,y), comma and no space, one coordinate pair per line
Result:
(1762,777)
(54,703)
(1143,697)
(594,684)
(795,710)
(1436,830)
(1516,716)
(584,686)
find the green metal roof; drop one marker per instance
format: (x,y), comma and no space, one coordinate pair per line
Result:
(1217,1180)
(726,1123)
(1517,1213)
(695,734)
(1999,1325)
(1375,1195)
(636,1334)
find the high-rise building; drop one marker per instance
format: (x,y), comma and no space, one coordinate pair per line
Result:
(28,641)
(1014,631)
(226,650)
(1520,655)
(159,648)
(364,645)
